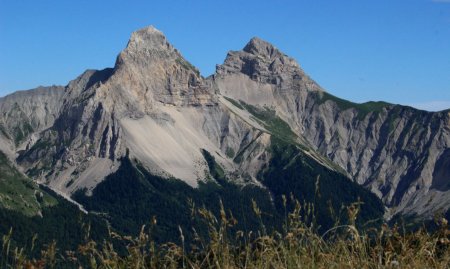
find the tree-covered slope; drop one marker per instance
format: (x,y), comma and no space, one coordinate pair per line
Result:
(132,197)
(19,193)
(37,216)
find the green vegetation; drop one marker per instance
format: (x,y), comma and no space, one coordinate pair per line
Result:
(363,109)
(297,245)
(306,216)
(63,223)
(37,216)
(22,127)
(41,144)
(40,148)
(132,197)
(393,116)
(187,65)
(21,132)
(279,129)
(19,193)
(229,152)
(41,168)
(235,103)
(239,155)
(290,171)
(323,221)
(268,118)
(215,169)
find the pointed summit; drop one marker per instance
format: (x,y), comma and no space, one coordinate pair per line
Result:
(257,46)
(146,45)
(148,38)
(151,69)
(263,62)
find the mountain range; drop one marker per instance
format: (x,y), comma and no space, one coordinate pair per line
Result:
(152,128)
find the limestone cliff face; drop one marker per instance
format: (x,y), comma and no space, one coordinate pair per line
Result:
(156,107)
(151,70)
(26,112)
(400,153)
(393,151)
(153,105)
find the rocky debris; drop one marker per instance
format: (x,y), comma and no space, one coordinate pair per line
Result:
(391,149)
(155,107)
(264,63)
(26,112)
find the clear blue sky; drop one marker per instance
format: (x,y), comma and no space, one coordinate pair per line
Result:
(392,50)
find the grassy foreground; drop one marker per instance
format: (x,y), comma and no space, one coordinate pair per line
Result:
(299,245)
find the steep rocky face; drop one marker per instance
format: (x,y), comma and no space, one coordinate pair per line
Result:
(262,75)
(153,71)
(400,153)
(155,108)
(392,150)
(81,138)
(26,112)
(264,63)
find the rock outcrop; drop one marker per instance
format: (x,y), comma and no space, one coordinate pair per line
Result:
(155,107)
(398,152)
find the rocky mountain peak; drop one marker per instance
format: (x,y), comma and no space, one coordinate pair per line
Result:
(148,38)
(145,46)
(257,46)
(151,70)
(263,62)
(155,106)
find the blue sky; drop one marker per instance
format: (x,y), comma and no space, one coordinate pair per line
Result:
(392,50)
